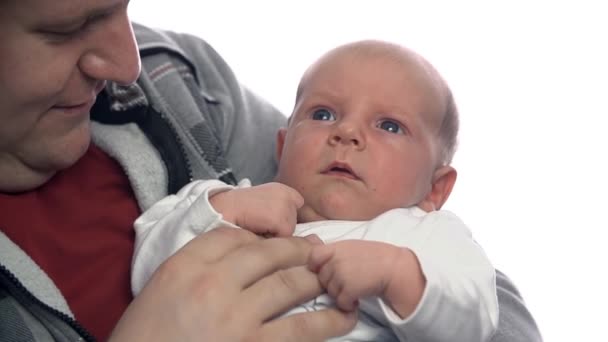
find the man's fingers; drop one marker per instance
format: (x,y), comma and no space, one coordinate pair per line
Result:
(310,326)
(256,260)
(314,239)
(281,291)
(216,244)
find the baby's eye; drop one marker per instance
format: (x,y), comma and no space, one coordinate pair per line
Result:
(390,126)
(323,114)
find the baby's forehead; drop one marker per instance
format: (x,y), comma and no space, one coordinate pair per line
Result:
(417,80)
(394,61)
(390,58)
(370,51)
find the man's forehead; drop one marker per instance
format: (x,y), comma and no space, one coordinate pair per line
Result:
(58,10)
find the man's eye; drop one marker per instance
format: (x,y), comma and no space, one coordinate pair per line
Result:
(58,36)
(390,126)
(68,32)
(323,114)
(63,34)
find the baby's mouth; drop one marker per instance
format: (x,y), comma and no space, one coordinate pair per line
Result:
(340,169)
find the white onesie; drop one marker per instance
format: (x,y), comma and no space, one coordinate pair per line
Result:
(459,302)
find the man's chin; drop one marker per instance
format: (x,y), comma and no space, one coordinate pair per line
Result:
(51,158)
(74,146)
(70,157)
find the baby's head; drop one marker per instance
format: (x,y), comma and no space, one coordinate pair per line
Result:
(373,128)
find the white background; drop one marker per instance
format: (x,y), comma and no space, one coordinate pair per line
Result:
(531,82)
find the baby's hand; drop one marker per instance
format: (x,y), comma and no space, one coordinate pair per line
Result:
(353,269)
(269,209)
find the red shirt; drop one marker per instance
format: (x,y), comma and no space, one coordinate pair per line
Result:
(78,227)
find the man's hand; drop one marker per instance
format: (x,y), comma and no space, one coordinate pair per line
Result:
(269,209)
(227,285)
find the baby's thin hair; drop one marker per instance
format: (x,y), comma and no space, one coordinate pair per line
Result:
(448,130)
(449,126)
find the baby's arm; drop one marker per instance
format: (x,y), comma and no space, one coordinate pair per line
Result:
(171,223)
(458,298)
(176,219)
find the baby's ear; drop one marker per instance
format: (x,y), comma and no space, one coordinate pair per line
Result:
(443,182)
(280,142)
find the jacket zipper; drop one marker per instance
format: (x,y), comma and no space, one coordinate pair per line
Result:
(181,148)
(155,125)
(23,294)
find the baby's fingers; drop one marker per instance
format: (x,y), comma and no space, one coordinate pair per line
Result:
(319,256)
(345,301)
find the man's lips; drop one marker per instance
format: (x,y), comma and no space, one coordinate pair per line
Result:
(74,107)
(82,102)
(340,169)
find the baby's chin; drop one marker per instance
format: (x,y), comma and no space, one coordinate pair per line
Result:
(310,214)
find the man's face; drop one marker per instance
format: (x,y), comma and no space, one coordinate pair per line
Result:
(55,58)
(362,138)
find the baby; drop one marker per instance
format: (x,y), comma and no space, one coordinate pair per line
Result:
(364,164)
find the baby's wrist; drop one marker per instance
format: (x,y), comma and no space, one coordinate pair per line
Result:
(222,203)
(406,284)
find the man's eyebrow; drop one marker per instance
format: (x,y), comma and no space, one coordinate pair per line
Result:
(84,17)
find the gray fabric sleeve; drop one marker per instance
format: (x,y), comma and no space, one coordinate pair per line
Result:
(515,323)
(254,156)
(248,124)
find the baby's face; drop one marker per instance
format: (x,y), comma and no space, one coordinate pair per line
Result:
(362,138)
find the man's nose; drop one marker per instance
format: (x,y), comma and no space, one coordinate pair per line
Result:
(113,54)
